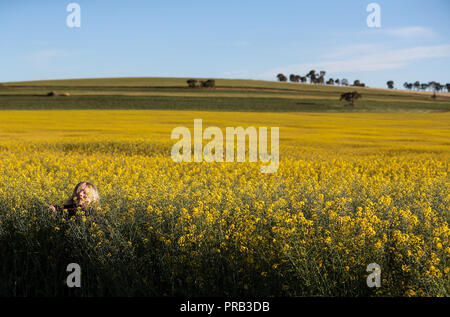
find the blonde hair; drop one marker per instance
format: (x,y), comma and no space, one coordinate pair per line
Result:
(90,190)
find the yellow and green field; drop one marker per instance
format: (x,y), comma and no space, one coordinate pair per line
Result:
(354,187)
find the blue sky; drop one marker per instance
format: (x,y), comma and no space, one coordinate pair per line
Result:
(251,39)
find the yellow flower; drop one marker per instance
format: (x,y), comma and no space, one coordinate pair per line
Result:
(378,244)
(410,293)
(324,207)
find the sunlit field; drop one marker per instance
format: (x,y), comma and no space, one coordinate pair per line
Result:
(352,189)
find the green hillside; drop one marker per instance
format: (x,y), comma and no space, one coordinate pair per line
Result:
(228,95)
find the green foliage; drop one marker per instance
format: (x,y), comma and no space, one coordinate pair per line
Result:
(192,83)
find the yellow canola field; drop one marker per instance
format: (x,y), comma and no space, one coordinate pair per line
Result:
(351,190)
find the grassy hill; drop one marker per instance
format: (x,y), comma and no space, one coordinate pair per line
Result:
(229,95)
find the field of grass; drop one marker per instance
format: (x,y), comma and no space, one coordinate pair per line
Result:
(229,95)
(353,187)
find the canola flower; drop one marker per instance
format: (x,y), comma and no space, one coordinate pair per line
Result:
(225,229)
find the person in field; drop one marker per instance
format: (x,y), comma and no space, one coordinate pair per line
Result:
(85,198)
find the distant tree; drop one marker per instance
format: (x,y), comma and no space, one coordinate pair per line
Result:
(210,83)
(406,85)
(434,86)
(390,84)
(281,77)
(344,82)
(292,77)
(431,85)
(416,85)
(356,82)
(192,83)
(303,79)
(423,86)
(330,81)
(312,76)
(321,78)
(448,87)
(336,81)
(351,97)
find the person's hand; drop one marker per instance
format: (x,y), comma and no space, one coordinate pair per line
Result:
(52,208)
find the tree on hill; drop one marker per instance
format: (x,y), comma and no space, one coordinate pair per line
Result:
(435,87)
(294,78)
(281,77)
(336,81)
(210,83)
(390,84)
(351,97)
(321,79)
(192,83)
(407,85)
(416,85)
(312,76)
(357,83)
(448,87)
(344,82)
(330,81)
(423,86)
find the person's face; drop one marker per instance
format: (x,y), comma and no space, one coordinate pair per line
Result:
(83,199)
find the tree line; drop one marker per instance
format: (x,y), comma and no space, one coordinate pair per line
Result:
(432,86)
(319,78)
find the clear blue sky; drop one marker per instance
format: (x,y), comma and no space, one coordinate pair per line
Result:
(252,39)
